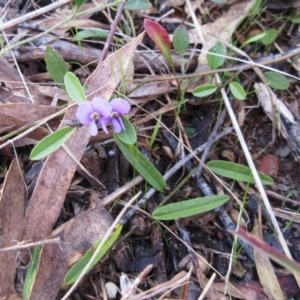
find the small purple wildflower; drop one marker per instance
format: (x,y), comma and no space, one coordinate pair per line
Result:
(119,107)
(94,113)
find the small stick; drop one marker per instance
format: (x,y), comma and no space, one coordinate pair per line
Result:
(113,30)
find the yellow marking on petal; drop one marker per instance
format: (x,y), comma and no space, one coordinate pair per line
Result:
(95,116)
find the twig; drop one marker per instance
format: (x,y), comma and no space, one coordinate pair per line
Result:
(28,245)
(210,141)
(112,30)
(33,14)
(262,63)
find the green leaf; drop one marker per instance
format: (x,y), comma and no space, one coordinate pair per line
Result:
(270,37)
(56,66)
(236,171)
(204,90)
(189,208)
(127,136)
(237,91)
(51,142)
(181,40)
(78,267)
(91,33)
(190,132)
(137,5)
(215,61)
(276,80)
(74,88)
(296,19)
(155,131)
(141,164)
(254,38)
(79,3)
(160,38)
(31,272)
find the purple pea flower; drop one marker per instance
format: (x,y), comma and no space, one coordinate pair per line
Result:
(94,113)
(119,107)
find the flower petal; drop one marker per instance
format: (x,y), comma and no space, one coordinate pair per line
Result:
(102,107)
(121,106)
(84,112)
(103,123)
(93,128)
(116,125)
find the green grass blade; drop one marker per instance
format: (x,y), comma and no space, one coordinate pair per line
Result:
(31,272)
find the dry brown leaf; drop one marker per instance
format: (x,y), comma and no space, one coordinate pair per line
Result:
(248,291)
(61,30)
(108,74)
(222,29)
(58,170)
(12,80)
(288,122)
(77,236)
(12,212)
(265,272)
(150,90)
(15,115)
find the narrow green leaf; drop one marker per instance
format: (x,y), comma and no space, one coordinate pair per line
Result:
(181,40)
(268,250)
(254,38)
(127,136)
(31,272)
(270,37)
(237,90)
(236,171)
(78,267)
(216,61)
(91,33)
(56,66)
(79,3)
(137,5)
(189,208)
(155,131)
(51,142)
(141,164)
(204,90)
(276,80)
(74,88)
